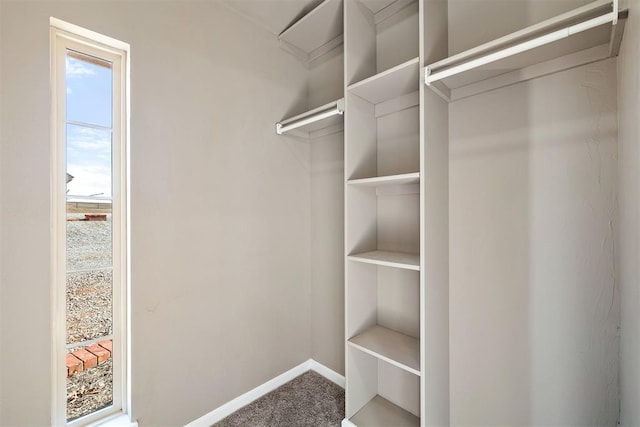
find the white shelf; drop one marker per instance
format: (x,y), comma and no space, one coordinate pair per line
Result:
(379,412)
(317,32)
(312,123)
(389,259)
(397,81)
(531,52)
(376,6)
(379,181)
(383,9)
(393,347)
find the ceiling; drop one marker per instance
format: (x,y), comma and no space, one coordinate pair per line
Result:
(273,15)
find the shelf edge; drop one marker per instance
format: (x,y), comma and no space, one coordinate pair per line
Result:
(403,265)
(384,73)
(385,180)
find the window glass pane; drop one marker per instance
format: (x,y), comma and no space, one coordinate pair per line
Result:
(89,308)
(89,364)
(89,87)
(90,389)
(89,230)
(88,162)
(89,235)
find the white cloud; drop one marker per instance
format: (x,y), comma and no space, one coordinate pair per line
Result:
(85,144)
(89,161)
(89,180)
(89,139)
(76,68)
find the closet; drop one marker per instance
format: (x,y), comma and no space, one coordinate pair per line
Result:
(397,85)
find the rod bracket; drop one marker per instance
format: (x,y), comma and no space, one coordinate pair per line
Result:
(427,73)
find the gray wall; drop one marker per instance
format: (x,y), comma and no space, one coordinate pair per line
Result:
(327,222)
(25,304)
(505,17)
(327,249)
(1,236)
(533,294)
(533,291)
(220,206)
(629,231)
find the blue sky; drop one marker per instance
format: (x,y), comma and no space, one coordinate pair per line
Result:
(89,102)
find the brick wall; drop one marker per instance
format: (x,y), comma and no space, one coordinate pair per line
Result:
(88,357)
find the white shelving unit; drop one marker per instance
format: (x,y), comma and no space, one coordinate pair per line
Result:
(317,33)
(587,34)
(390,208)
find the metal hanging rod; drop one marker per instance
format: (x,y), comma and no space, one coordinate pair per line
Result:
(447,68)
(328,110)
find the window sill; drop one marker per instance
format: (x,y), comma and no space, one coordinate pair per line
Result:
(118,420)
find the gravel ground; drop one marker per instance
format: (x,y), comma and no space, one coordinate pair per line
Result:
(90,390)
(88,243)
(89,310)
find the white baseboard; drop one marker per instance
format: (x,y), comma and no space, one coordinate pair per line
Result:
(243,400)
(347,423)
(329,374)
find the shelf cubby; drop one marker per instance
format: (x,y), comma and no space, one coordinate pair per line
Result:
(383,296)
(384,395)
(384,224)
(379,412)
(384,138)
(385,34)
(397,81)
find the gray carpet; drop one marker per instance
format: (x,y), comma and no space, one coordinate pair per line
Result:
(309,400)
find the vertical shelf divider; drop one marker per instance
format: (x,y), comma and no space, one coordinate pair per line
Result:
(434,223)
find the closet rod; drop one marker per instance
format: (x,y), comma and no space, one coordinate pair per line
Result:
(520,48)
(328,110)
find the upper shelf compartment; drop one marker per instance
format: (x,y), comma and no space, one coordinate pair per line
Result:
(578,37)
(316,33)
(320,121)
(382,35)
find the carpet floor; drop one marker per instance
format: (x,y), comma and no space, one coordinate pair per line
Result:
(309,400)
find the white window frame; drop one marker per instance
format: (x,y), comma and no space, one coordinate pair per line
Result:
(65,36)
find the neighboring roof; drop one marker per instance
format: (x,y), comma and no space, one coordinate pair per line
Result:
(69,177)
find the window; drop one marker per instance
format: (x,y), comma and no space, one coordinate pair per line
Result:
(89,224)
